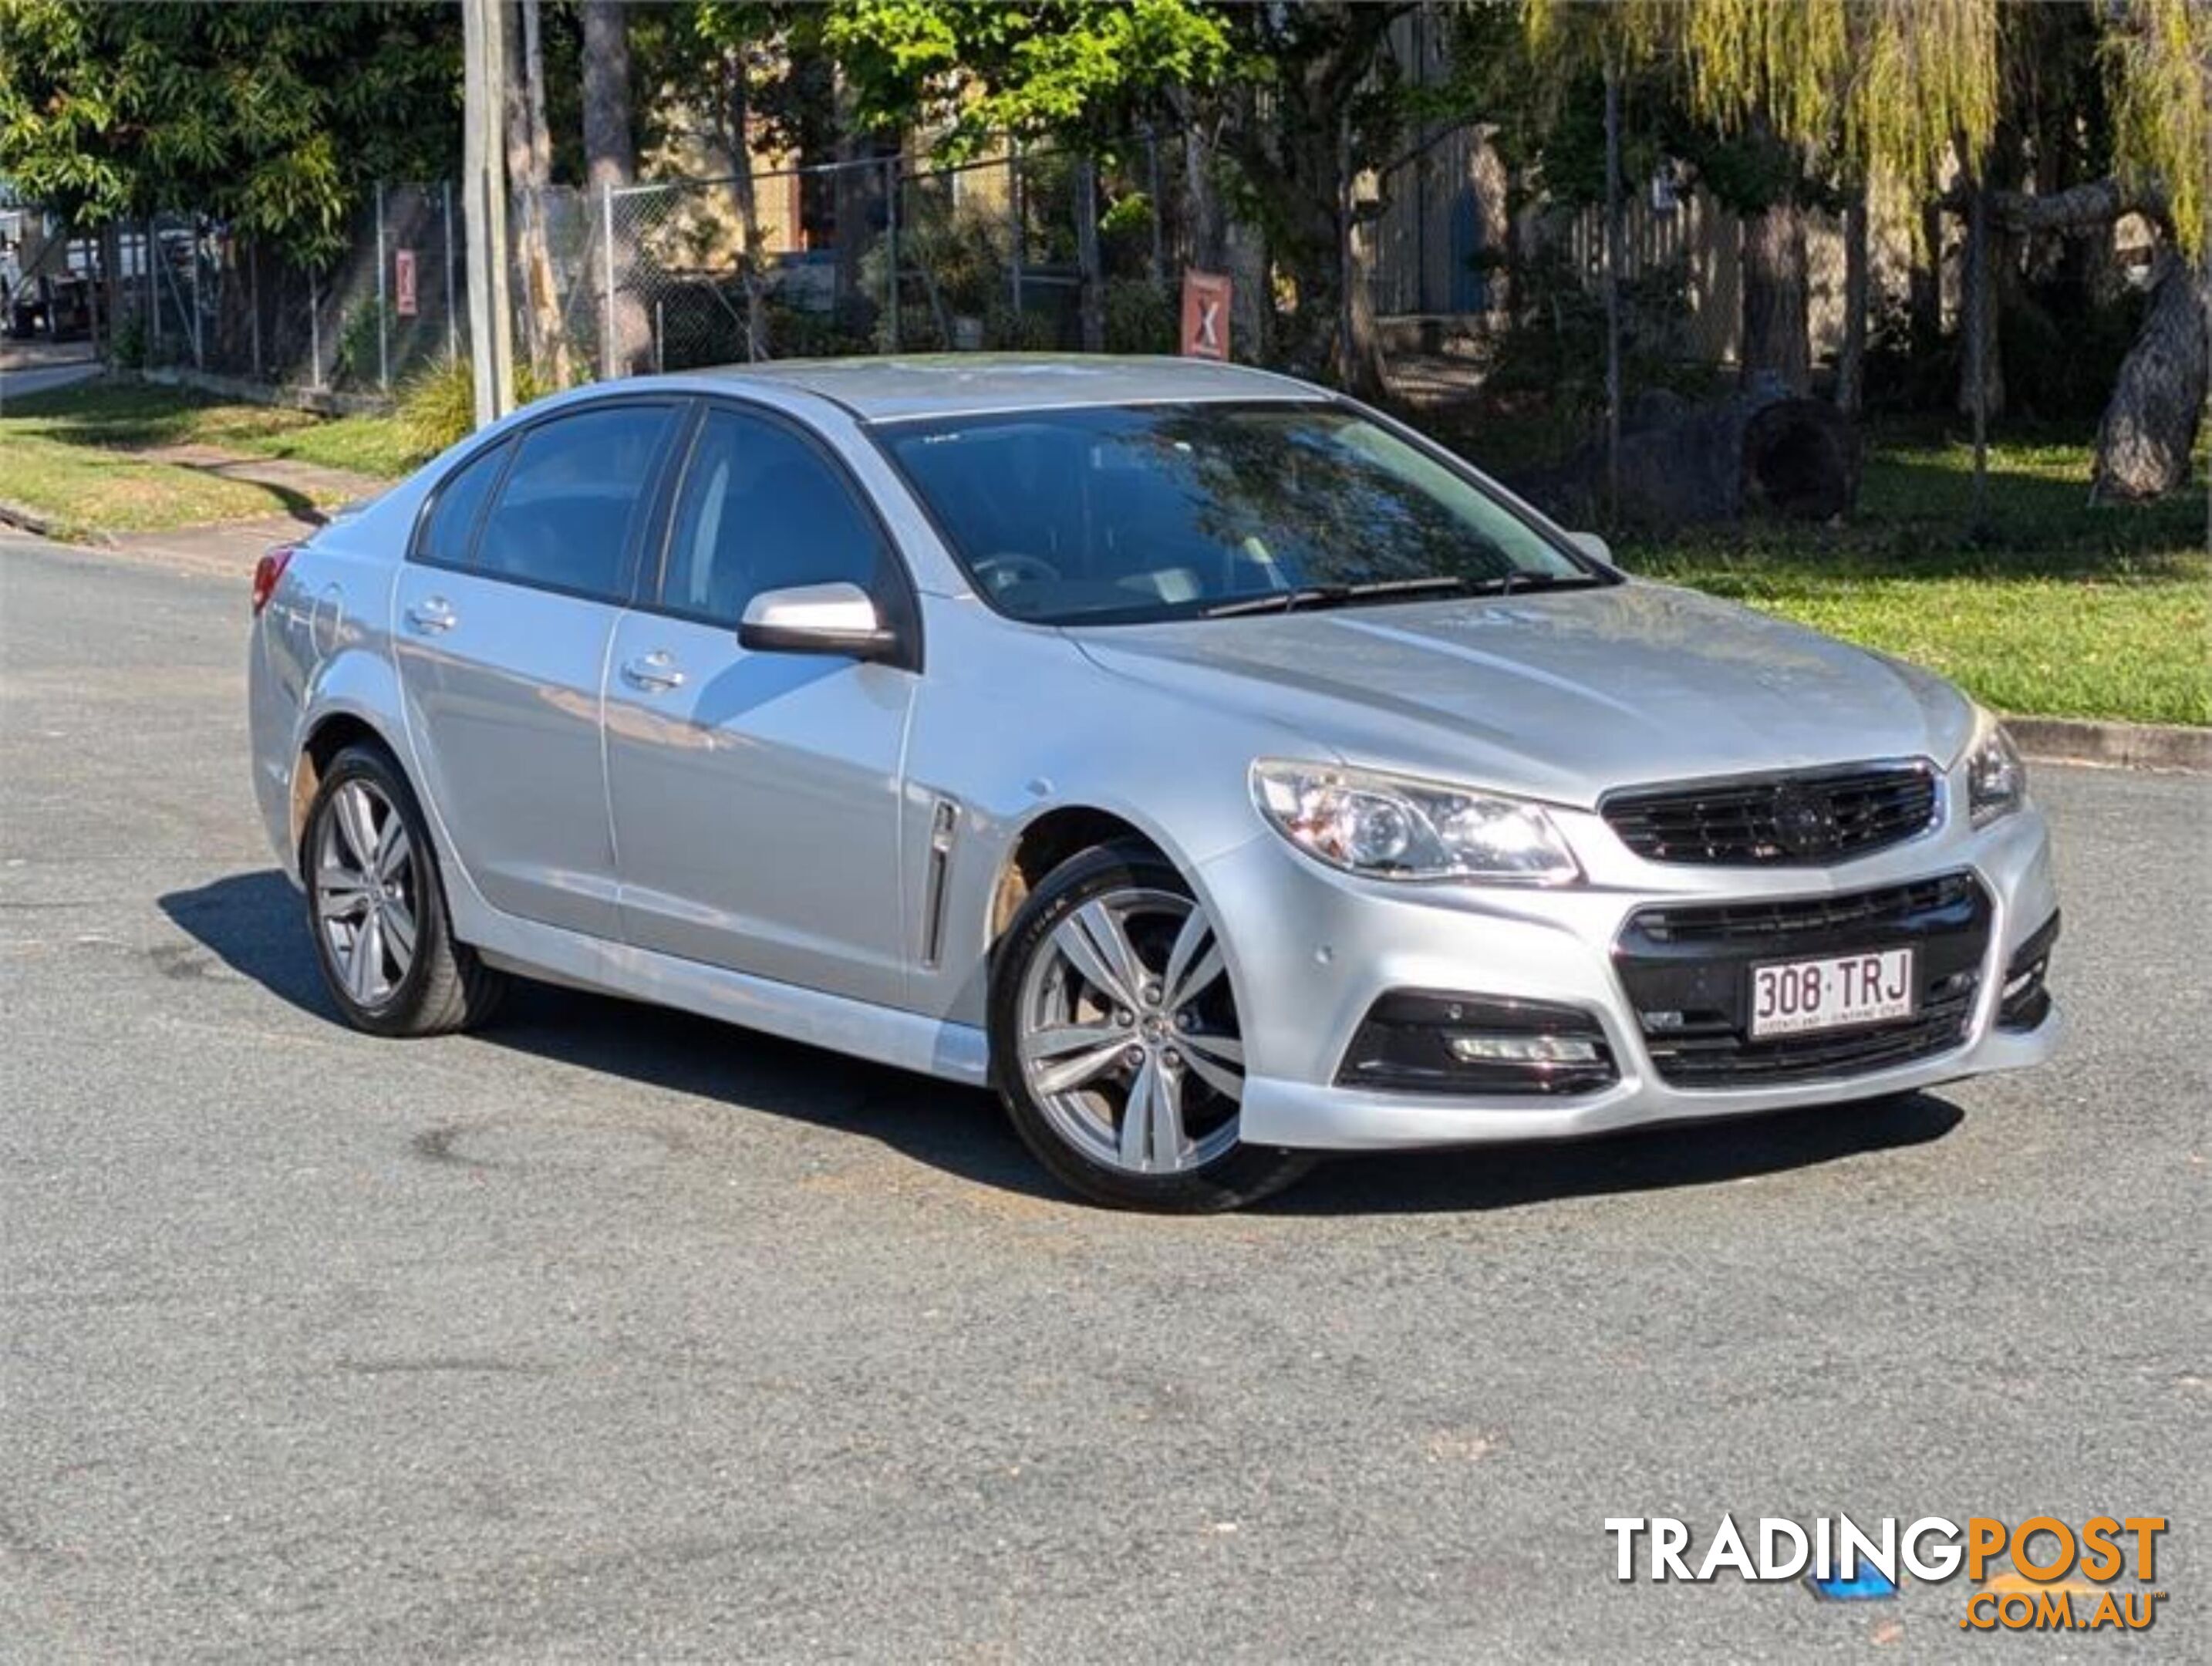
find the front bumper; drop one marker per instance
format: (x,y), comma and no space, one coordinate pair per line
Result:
(1311,951)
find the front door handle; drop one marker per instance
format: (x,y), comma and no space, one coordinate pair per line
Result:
(432,616)
(654,672)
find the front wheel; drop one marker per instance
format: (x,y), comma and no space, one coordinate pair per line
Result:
(1115,1042)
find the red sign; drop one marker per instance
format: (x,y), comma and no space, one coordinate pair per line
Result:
(402,282)
(1204,315)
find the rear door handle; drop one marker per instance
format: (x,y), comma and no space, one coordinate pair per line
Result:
(654,672)
(432,616)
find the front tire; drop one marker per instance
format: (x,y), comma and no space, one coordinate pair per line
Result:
(376,908)
(1116,1043)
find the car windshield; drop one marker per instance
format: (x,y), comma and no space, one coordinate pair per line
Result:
(1115,515)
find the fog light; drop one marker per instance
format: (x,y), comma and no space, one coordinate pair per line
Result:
(1494,1049)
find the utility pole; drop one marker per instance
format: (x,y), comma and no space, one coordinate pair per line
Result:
(483,205)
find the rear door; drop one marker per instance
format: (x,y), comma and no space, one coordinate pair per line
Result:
(755,794)
(501,621)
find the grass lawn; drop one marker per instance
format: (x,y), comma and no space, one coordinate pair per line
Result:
(77,455)
(2059,610)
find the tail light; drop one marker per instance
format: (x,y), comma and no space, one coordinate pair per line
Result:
(267,572)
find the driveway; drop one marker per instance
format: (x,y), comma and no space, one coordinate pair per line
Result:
(615,1334)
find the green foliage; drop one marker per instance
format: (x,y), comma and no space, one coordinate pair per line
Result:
(1553,356)
(357,360)
(437,405)
(2158,54)
(272,116)
(128,350)
(1140,317)
(1064,68)
(1006,330)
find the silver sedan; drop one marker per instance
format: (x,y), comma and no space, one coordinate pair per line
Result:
(1216,768)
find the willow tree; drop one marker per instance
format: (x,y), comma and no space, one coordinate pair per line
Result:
(1817,90)
(2160,55)
(1912,92)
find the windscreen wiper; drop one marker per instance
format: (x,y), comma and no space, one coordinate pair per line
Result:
(1522,582)
(1336,595)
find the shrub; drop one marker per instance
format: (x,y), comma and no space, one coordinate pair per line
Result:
(1139,317)
(438,403)
(357,360)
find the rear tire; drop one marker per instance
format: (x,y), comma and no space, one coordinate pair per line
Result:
(376,907)
(1114,1041)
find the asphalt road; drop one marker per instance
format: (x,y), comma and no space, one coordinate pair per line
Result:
(32,367)
(612,1334)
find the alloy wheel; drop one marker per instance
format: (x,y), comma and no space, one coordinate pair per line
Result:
(366,892)
(1128,1039)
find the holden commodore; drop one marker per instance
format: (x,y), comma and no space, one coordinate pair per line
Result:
(1216,768)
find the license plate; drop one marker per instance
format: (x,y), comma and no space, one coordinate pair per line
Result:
(1793,996)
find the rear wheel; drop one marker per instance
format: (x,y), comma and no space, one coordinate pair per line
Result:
(1116,1040)
(378,911)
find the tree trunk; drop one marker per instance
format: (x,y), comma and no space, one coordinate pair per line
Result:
(2149,425)
(611,164)
(1850,356)
(1359,364)
(529,165)
(1977,313)
(853,197)
(1207,248)
(1090,282)
(1775,340)
(1358,359)
(1924,294)
(737,86)
(1296,159)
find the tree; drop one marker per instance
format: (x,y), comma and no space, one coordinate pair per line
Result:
(274,117)
(1901,89)
(529,174)
(758,62)
(1077,74)
(611,165)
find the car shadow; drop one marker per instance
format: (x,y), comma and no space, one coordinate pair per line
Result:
(253,922)
(1475,1178)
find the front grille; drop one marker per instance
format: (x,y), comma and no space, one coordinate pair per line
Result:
(1814,817)
(1688,972)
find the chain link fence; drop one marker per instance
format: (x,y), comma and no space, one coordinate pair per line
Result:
(921,251)
(890,254)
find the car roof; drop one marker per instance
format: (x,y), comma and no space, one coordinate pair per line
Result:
(969,384)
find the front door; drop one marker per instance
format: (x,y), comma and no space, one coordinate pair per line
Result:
(500,622)
(755,794)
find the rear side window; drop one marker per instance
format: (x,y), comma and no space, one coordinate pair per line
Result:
(567,510)
(452,526)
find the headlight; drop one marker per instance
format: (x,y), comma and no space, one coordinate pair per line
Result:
(1996,780)
(1390,827)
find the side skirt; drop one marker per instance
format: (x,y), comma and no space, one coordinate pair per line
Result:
(908,1040)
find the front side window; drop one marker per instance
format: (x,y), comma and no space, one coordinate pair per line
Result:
(566,511)
(761,510)
(1111,514)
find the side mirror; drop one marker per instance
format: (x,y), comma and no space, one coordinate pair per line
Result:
(816,618)
(1592,544)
